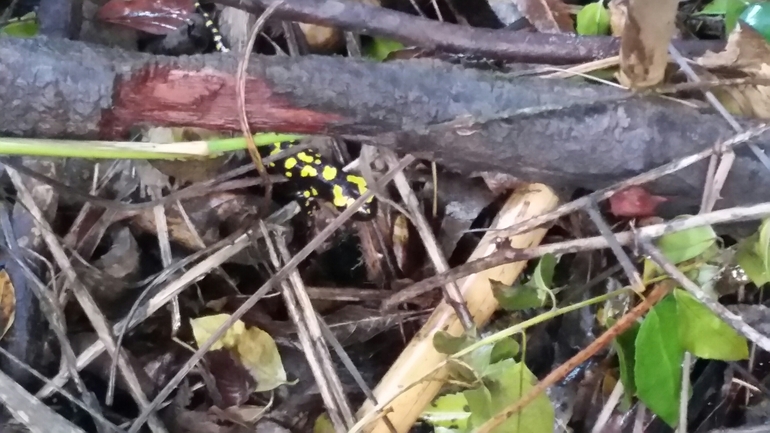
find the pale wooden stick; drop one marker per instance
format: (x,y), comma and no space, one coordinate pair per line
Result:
(419,357)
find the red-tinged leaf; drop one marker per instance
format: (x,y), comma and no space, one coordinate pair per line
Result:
(635,202)
(158,17)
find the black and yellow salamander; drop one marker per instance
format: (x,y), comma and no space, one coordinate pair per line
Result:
(317,177)
(211,25)
(320,179)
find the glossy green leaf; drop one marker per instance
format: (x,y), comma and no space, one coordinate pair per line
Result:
(625,346)
(518,297)
(658,361)
(593,19)
(747,258)
(685,245)
(757,16)
(543,275)
(24,27)
(448,411)
(505,383)
(506,348)
(380,48)
(449,344)
(704,334)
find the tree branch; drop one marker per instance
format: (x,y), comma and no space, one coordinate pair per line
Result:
(560,133)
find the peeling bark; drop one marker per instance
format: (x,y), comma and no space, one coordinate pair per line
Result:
(560,133)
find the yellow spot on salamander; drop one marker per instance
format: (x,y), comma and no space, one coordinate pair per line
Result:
(308,171)
(359,181)
(289,163)
(288,174)
(306,194)
(304,157)
(276,148)
(340,199)
(313,191)
(329,172)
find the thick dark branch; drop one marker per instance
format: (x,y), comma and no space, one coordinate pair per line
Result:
(559,133)
(505,45)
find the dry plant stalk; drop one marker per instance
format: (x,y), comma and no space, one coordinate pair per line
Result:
(420,357)
(649,27)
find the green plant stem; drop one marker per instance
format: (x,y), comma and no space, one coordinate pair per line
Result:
(132,150)
(505,333)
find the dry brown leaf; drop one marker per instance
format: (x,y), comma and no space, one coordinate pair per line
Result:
(649,27)
(548,16)
(748,54)
(7,302)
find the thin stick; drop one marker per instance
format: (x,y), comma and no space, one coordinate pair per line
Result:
(559,373)
(508,255)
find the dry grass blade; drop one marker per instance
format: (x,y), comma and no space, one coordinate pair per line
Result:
(87,303)
(31,412)
(311,338)
(249,303)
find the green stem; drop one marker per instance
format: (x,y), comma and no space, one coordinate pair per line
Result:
(494,338)
(132,150)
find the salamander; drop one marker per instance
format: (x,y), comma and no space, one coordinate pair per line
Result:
(317,177)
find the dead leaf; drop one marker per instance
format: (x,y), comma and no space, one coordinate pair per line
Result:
(254,347)
(746,54)
(233,381)
(7,303)
(649,27)
(548,16)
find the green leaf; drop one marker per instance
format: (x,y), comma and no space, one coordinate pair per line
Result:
(757,16)
(448,344)
(449,411)
(658,363)
(381,47)
(593,19)
(747,258)
(704,334)
(506,348)
(687,244)
(731,9)
(543,276)
(518,297)
(505,383)
(625,346)
(24,27)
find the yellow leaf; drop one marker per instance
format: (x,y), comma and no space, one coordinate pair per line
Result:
(258,352)
(204,327)
(7,303)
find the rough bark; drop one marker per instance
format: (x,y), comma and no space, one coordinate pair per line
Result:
(560,133)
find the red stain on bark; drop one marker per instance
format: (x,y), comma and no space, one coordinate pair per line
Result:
(163,95)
